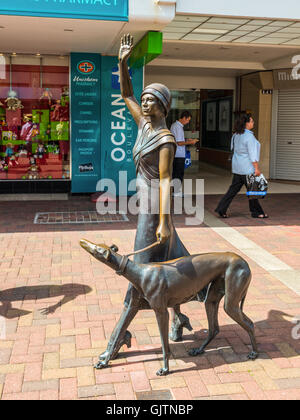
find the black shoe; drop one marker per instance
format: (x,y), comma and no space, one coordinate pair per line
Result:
(222,215)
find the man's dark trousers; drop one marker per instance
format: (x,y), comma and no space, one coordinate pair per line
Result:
(178,169)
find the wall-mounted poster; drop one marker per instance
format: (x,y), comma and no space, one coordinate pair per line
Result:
(211,116)
(224,115)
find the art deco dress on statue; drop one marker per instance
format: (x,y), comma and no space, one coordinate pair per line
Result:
(146,158)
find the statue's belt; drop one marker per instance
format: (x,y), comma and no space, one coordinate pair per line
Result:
(125,258)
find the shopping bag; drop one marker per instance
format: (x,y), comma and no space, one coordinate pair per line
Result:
(257,186)
(188,159)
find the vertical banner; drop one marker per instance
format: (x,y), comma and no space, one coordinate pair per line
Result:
(85,121)
(118,128)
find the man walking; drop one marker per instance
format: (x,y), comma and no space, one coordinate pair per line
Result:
(179,160)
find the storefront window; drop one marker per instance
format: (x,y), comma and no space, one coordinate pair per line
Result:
(186,101)
(217,118)
(35,118)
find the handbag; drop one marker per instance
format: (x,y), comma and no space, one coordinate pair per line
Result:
(257,186)
(188,159)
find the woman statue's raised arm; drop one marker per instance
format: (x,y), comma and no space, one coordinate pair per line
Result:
(126,49)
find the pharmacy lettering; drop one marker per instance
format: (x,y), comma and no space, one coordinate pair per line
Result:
(85,118)
(78,9)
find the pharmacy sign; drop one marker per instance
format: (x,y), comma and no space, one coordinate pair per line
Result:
(116,10)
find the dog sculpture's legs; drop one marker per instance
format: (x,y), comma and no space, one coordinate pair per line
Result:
(178,323)
(212,306)
(163,324)
(234,310)
(120,336)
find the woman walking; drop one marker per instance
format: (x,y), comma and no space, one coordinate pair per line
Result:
(246,155)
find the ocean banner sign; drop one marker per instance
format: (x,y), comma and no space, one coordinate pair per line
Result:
(85,121)
(118,128)
(116,10)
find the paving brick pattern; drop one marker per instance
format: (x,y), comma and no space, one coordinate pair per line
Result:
(60,307)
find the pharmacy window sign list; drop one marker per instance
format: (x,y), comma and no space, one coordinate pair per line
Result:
(85,116)
(116,10)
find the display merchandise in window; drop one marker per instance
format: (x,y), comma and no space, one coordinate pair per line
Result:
(34,123)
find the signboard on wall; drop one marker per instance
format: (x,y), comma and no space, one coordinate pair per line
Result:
(118,128)
(286,79)
(85,119)
(116,10)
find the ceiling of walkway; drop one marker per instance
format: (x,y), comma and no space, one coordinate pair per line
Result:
(233,30)
(228,46)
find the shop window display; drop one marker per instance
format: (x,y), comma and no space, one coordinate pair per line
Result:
(35,121)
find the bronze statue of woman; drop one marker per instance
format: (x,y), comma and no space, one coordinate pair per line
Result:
(153,155)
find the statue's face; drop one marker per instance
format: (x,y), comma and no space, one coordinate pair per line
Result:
(151,106)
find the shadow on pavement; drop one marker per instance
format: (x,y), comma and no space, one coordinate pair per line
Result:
(231,346)
(68,292)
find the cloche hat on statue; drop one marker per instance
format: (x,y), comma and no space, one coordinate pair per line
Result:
(162,93)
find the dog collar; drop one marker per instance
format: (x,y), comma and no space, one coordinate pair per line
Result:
(125,258)
(123,265)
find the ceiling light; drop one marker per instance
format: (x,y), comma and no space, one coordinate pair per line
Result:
(210,31)
(14,54)
(224,26)
(268,40)
(230,21)
(176,30)
(172,35)
(226,38)
(280,23)
(289,30)
(260,22)
(200,37)
(293,42)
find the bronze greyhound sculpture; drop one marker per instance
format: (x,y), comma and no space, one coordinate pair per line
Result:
(168,284)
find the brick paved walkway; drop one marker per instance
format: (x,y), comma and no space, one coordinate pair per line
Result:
(60,306)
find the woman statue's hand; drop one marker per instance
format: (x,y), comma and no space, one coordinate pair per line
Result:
(163,233)
(126,47)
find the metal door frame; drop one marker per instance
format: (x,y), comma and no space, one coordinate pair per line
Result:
(274,130)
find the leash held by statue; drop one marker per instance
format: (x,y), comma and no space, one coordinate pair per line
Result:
(125,258)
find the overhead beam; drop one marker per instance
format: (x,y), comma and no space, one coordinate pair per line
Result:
(208,64)
(280,63)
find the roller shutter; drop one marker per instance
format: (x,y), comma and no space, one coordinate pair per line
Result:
(288,135)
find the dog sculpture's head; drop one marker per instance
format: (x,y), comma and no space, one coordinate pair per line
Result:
(102,252)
